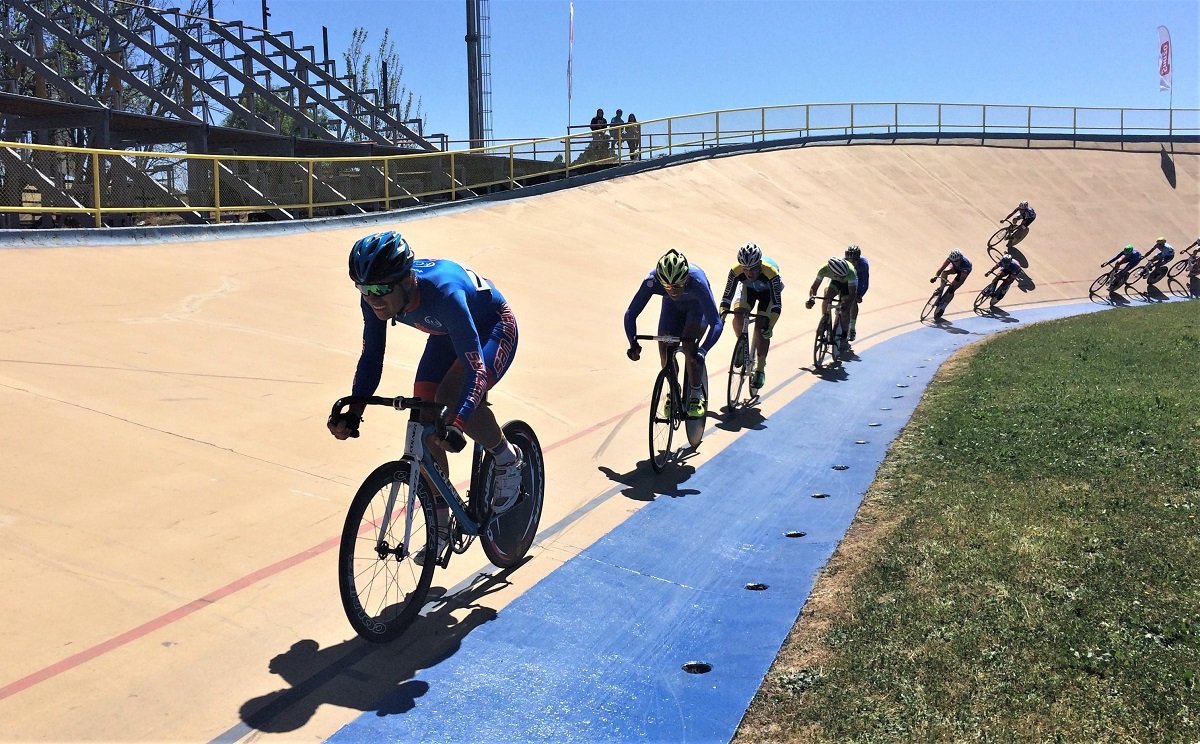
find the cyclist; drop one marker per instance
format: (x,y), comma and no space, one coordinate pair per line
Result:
(1122,264)
(1025,215)
(959,265)
(855,258)
(1008,270)
(761,286)
(472,339)
(1157,260)
(843,281)
(1193,256)
(688,310)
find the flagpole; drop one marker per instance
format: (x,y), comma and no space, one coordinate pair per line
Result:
(570,59)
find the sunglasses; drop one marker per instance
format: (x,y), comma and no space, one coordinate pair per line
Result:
(675,287)
(377,290)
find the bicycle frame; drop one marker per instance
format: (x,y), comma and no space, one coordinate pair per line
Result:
(420,461)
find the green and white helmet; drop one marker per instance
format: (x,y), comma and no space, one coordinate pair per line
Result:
(672,268)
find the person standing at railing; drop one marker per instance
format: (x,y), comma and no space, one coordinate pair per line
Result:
(633,136)
(618,126)
(598,124)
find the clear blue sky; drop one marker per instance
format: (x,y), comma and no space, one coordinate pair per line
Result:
(668,57)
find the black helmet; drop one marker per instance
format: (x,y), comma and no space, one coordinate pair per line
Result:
(853,252)
(382,258)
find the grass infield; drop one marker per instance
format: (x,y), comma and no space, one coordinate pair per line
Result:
(1026,566)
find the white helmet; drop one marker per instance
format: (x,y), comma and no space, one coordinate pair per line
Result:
(749,255)
(839,267)
(955,255)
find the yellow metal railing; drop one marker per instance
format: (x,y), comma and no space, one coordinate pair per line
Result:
(96,185)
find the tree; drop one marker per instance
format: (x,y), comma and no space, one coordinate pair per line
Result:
(367,69)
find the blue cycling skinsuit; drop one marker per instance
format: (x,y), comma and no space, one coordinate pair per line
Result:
(469,325)
(687,317)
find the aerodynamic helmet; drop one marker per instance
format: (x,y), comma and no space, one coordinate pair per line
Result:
(955,256)
(853,252)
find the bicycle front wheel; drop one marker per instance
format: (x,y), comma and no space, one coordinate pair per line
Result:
(739,376)
(997,238)
(507,537)
(1177,268)
(982,298)
(931,304)
(382,586)
(822,345)
(664,408)
(1100,283)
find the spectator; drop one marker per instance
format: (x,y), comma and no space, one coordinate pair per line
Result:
(618,130)
(598,125)
(633,136)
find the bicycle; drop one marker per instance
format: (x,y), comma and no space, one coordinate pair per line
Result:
(1114,279)
(1189,264)
(391,529)
(938,301)
(991,292)
(1010,235)
(828,343)
(741,375)
(668,405)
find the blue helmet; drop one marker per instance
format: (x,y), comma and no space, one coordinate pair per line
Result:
(382,258)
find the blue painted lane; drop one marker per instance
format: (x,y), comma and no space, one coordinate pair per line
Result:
(596,651)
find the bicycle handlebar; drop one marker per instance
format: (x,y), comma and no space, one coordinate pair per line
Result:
(663,339)
(399,403)
(748,314)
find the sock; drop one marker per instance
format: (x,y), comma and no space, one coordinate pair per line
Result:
(504,453)
(697,393)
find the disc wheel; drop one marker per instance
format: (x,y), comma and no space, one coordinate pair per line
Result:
(507,537)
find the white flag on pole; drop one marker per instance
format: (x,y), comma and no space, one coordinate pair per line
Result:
(1164,58)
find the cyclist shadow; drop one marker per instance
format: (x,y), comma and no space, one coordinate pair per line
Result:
(740,419)
(948,327)
(834,373)
(1154,294)
(365,676)
(1025,282)
(1015,252)
(998,313)
(643,484)
(1119,299)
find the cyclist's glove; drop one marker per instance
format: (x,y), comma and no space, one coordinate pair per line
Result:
(634,353)
(932,279)
(809,304)
(700,353)
(452,437)
(767,332)
(351,420)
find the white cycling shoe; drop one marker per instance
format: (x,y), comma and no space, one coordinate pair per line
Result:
(506,484)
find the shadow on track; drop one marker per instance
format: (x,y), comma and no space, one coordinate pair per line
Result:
(364,676)
(643,484)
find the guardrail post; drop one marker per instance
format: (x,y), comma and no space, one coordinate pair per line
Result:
(985,118)
(453,179)
(96,189)
(1029,121)
(763,111)
(217,188)
(387,186)
(310,189)
(896,118)
(1122,123)
(567,156)
(670,138)
(807,133)
(717,125)
(852,120)
(511,167)
(939,118)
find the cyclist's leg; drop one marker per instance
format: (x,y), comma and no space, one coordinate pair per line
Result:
(760,303)
(697,372)
(740,309)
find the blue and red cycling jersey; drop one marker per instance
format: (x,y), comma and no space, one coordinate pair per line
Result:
(696,306)
(1133,259)
(468,321)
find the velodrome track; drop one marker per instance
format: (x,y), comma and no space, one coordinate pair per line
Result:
(172,500)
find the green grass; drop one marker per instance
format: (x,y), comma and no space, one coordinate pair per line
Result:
(1028,561)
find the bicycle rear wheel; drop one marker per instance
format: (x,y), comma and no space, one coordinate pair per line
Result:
(822,345)
(739,376)
(507,537)
(663,422)
(381,586)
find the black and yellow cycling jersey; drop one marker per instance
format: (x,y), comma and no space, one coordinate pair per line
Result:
(766,291)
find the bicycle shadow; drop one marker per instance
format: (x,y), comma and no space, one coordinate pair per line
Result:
(832,373)
(1116,298)
(643,484)
(949,327)
(1154,294)
(364,676)
(997,313)
(1016,252)
(1025,282)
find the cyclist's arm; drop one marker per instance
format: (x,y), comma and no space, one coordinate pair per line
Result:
(370,362)
(712,317)
(636,305)
(941,269)
(730,287)
(776,308)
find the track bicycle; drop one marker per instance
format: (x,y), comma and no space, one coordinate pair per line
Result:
(1009,235)
(391,540)
(668,405)
(741,375)
(937,303)
(1183,273)
(1114,279)
(829,345)
(991,292)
